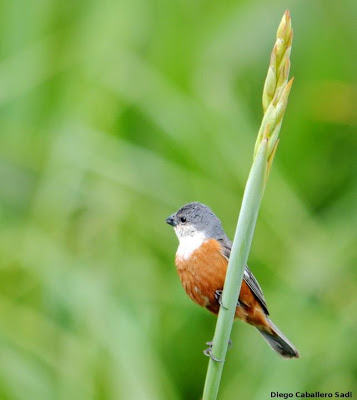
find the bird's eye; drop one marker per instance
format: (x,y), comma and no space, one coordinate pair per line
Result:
(183,219)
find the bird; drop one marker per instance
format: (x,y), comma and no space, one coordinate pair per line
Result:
(201,262)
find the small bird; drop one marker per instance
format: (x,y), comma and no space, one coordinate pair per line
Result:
(202,260)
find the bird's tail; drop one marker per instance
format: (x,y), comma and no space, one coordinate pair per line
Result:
(278,341)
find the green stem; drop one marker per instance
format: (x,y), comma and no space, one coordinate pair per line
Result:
(241,246)
(275,98)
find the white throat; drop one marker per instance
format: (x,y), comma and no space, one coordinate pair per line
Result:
(189,243)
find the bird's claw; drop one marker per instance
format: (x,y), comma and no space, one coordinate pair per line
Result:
(218,296)
(208,352)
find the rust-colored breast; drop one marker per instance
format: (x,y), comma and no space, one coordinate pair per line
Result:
(204,272)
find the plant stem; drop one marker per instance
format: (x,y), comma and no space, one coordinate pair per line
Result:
(238,259)
(275,97)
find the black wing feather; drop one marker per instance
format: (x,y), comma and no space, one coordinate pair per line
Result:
(248,277)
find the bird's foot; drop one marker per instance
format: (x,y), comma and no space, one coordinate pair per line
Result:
(218,296)
(208,352)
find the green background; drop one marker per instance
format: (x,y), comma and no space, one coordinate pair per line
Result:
(114,114)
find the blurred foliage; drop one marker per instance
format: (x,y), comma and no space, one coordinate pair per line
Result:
(114,114)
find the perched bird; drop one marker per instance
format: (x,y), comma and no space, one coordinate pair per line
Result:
(202,260)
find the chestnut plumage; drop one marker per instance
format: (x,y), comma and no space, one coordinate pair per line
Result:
(202,260)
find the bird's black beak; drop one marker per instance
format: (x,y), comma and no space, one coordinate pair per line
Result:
(171,220)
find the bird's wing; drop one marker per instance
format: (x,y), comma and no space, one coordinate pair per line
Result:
(248,277)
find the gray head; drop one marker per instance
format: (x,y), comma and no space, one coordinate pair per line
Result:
(196,219)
